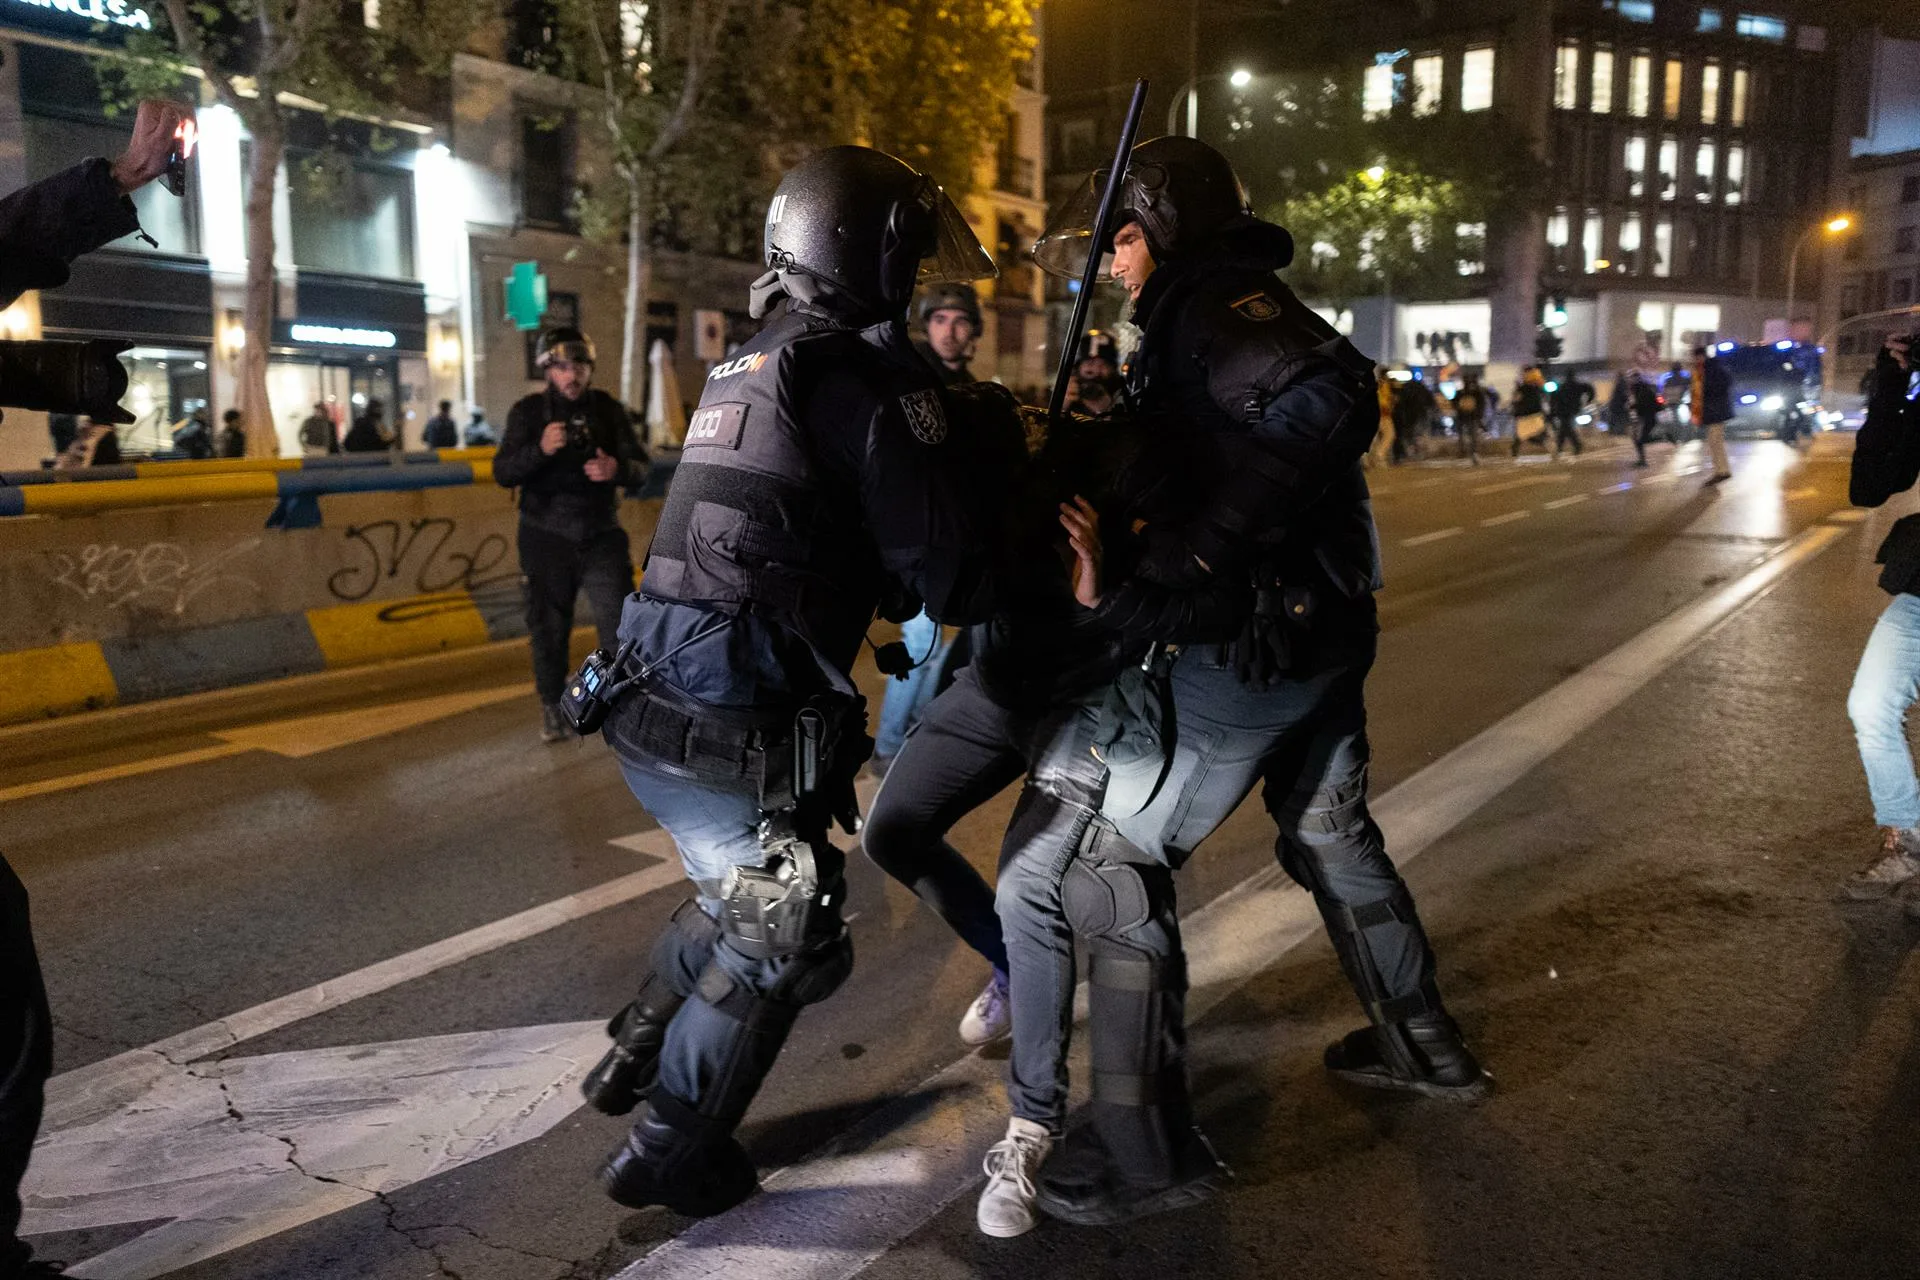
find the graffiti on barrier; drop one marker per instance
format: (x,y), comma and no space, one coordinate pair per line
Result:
(385,549)
(160,575)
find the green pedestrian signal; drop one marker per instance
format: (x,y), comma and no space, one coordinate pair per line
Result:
(526,292)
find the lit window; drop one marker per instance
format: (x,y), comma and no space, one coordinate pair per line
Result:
(1759,26)
(1636,166)
(1737,109)
(1630,236)
(1736,171)
(1476,79)
(1590,242)
(1639,84)
(1670,97)
(1566,76)
(1376,92)
(1663,247)
(1636,10)
(1669,167)
(1710,93)
(1470,242)
(1709,20)
(1427,72)
(1557,229)
(1703,173)
(1603,80)
(370,14)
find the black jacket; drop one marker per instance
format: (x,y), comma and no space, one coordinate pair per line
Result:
(1277,411)
(555,493)
(47,225)
(1886,461)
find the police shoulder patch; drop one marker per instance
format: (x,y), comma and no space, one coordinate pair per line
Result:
(1258,305)
(926,417)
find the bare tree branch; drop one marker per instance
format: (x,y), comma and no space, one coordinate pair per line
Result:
(188,32)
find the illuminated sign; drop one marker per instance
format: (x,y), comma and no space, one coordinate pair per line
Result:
(338,337)
(117,12)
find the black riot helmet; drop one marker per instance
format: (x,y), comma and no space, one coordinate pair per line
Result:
(564,342)
(950,297)
(858,225)
(1181,191)
(1098,345)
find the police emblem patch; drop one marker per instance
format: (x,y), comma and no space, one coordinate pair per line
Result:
(925,416)
(1256,306)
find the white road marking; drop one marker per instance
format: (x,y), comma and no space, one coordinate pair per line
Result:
(1422,539)
(1567,501)
(1810,491)
(1523,483)
(826,1218)
(132,769)
(1508,518)
(1622,487)
(230,1152)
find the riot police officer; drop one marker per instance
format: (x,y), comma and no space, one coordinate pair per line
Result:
(568,449)
(1095,376)
(950,313)
(1279,409)
(819,476)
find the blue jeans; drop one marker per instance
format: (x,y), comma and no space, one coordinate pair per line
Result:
(906,699)
(1883,688)
(701,1061)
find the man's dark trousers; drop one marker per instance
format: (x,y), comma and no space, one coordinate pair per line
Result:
(557,568)
(26,1060)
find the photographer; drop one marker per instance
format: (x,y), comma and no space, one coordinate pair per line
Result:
(569,449)
(1886,461)
(43,228)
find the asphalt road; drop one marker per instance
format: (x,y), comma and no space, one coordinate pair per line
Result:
(1704,1062)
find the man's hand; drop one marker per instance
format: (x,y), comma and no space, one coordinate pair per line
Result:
(1897,347)
(153,139)
(1082,523)
(554,438)
(602,466)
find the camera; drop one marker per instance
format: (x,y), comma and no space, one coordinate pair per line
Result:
(591,693)
(65,377)
(580,432)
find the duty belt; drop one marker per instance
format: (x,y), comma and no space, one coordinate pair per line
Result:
(715,744)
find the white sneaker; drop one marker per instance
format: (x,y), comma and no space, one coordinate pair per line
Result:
(1006,1206)
(989,1017)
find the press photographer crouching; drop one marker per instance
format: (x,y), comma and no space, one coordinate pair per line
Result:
(43,228)
(1886,461)
(569,450)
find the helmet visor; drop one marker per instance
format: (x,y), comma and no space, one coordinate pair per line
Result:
(957,256)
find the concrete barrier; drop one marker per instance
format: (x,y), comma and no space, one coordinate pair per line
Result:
(132,603)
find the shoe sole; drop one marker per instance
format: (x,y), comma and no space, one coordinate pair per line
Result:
(1184,1196)
(971,1043)
(1479,1089)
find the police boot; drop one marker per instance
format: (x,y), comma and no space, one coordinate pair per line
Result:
(1423,1054)
(686,1169)
(1127,1163)
(625,1075)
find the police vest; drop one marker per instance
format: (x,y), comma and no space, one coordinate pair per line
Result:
(748,522)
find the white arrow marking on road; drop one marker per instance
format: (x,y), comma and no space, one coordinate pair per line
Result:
(237,1150)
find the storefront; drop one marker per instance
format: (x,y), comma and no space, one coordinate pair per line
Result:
(353,341)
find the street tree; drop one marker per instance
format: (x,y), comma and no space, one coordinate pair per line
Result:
(264,59)
(1385,230)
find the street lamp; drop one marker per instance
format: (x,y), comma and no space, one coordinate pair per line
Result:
(1188,95)
(1832,226)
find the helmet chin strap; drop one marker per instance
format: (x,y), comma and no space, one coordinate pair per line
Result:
(808,291)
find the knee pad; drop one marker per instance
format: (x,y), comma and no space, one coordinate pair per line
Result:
(1104,900)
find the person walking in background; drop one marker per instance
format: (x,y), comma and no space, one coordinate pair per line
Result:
(441,432)
(1529,409)
(1413,406)
(369,432)
(317,437)
(1712,407)
(1565,402)
(95,444)
(232,440)
(192,437)
(1646,412)
(1886,461)
(1470,415)
(1386,441)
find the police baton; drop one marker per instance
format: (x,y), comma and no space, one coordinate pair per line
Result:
(1102,228)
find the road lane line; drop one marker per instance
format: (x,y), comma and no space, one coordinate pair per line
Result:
(132,769)
(1810,491)
(127,1075)
(827,1217)
(1622,487)
(1421,540)
(1523,483)
(1567,501)
(1508,518)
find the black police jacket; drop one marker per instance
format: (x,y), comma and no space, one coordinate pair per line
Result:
(822,468)
(1278,410)
(555,492)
